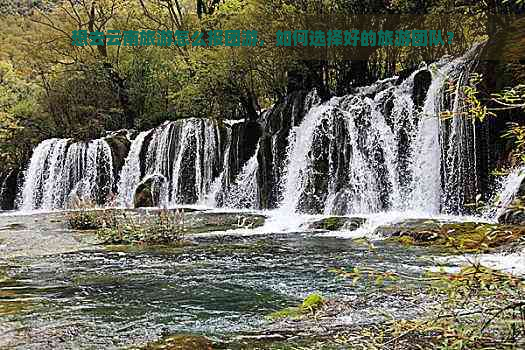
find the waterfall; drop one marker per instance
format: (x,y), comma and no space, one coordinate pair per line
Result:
(244,193)
(60,171)
(383,147)
(362,153)
(374,150)
(38,175)
(222,182)
(506,191)
(130,174)
(186,153)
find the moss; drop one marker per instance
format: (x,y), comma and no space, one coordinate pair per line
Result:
(310,304)
(289,312)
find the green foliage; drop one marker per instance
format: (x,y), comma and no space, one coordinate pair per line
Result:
(17,105)
(474,308)
(85,220)
(516,133)
(482,308)
(369,275)
(311,304)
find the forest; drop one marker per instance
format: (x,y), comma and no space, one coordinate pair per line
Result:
(52,89)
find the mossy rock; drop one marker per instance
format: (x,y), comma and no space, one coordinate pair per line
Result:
(334,223)
(289,312)
(310,304)
(182,342)
(464,237)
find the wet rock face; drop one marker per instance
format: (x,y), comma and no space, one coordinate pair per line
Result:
(276,124)
(422,82)
(8,187)
(148,192)
(120,145)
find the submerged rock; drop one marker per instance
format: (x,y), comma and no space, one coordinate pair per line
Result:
(182,342)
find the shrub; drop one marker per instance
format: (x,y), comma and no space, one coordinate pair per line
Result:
(166,228)
(91,219)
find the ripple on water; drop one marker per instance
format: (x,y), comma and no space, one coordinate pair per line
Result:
(115,298)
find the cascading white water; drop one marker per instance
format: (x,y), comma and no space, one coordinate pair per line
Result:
(244,193)
(185,153)
(371,151)
(301,143)
(60,170)
(35,175)
(358,134)
(505,193)
(222,182)
(130,174)
(379,159)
